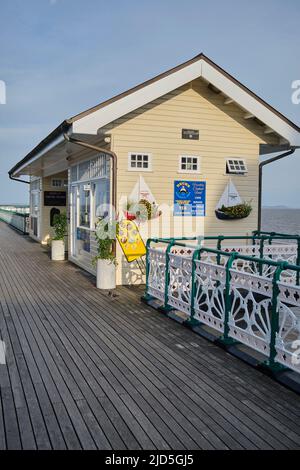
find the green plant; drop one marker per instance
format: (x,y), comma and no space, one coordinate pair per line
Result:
(60,225)
(105,239)
(148,207)
(239,211)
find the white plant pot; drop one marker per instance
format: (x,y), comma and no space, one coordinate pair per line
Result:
(58,250)
(106,274)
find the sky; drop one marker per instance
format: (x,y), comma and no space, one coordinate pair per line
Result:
(60,57)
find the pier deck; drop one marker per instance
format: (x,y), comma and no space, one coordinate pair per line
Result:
(85,370)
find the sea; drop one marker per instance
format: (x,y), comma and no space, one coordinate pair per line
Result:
(281,220)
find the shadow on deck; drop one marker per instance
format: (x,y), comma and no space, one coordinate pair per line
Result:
(85,370)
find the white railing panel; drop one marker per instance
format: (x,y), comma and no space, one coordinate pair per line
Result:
(250,315)
(288,337)
(209,303)
(157,268)
(179,292)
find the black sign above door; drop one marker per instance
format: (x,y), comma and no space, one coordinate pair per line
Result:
(55,198)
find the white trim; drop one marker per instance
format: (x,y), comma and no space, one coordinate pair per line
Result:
(191,172)
(149,155)
(91,123)
(241,161)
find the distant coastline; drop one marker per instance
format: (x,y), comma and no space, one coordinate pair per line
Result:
(281,207)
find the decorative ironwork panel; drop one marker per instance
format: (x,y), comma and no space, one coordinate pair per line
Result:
(250,314)
(209,303)
(179,292)
(288,337)
(156,277)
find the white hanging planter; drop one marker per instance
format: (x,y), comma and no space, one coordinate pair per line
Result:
(106,274)
(58,250)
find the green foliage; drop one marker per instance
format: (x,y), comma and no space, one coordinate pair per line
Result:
(104,238)
(239,211)
(60,225)
(148,207)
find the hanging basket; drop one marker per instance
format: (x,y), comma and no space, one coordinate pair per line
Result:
(240,211)
(223,216)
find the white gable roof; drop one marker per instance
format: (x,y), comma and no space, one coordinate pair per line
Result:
(201,67)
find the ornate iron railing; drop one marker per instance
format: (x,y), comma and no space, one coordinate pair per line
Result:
(245,298)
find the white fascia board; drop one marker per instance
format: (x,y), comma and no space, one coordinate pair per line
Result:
(91,123)
(48,148)
(249,103)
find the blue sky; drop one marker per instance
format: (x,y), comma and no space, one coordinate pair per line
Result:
(59,57)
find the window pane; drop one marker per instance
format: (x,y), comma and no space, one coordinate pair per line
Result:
(145,158)
(195,167)
(139,157)
(139,164)
(85,206)
(183,166)
(183,160)
(101,198)
(74,173)
(84,170)
(133,164)
(145,164)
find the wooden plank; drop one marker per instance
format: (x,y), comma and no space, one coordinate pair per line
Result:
(88,371)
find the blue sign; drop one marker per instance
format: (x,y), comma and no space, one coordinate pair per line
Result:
(190,198)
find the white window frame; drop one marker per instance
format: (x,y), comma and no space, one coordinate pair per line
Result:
(60,185)
(149,155)
(234,171)
(180,163)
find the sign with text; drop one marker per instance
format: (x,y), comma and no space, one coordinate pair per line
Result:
(55,198)
(190,198)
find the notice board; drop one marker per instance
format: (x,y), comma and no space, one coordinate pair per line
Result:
(189,198)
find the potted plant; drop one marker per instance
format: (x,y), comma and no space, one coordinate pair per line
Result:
(60,224)
(105,260)
(240,211)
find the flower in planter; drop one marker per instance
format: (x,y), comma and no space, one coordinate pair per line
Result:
(240,211)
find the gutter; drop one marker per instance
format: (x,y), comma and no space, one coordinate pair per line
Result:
(260,180)
(17,179)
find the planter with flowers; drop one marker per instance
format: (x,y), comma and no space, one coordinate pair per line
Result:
(240,211)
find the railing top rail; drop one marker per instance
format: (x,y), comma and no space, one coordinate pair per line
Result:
(21,214)
(275,234)
(283,265)
(232,237)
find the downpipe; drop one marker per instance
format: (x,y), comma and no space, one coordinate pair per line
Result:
(260,181)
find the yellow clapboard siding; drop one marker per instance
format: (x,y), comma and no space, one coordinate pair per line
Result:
(224,133)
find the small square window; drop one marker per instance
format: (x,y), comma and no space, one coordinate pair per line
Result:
(139,162)
(237,167)
(189,164)
(56,183)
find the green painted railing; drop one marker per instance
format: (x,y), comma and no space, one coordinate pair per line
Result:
(18,220)
(280,267)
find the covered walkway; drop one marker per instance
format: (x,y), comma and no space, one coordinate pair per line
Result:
(85,370)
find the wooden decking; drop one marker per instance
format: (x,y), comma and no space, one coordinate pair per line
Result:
(85,370)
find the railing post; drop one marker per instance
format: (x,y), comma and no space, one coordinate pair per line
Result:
(147,296)
(298,262)
(261,255)
(225,339)
(271,363)
(166,308)
(191,321)
(219,247)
